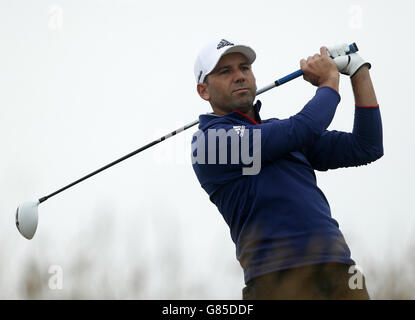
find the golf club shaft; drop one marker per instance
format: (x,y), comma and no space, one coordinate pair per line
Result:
(189,125)
(291,76)
(173,133)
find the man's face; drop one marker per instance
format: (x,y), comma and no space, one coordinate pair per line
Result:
(231,85)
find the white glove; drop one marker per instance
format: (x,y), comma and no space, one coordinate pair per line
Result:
(346,64)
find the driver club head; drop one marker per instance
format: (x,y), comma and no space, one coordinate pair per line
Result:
(26,218)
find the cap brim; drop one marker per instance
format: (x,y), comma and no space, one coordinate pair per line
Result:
(245,50)
(248,52)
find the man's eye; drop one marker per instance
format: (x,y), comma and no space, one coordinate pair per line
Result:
(224,71)
(245,68)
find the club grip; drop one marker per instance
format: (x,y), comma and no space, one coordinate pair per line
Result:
(353,48)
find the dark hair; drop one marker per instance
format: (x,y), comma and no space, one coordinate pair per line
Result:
(205,80)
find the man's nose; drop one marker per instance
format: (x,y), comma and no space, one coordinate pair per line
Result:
(239,76)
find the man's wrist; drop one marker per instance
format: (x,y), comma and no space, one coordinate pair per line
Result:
(364,66)
(362,73)
(363,90)
(332,82)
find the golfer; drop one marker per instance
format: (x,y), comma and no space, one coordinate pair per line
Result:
(287,242)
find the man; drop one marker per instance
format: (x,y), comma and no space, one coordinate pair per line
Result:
(287,243)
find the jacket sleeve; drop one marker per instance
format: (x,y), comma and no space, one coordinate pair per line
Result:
(280,137)
(277,137)
(337,149)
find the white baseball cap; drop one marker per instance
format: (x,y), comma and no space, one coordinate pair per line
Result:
(211,53)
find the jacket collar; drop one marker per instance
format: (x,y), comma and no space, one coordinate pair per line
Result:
(206,119)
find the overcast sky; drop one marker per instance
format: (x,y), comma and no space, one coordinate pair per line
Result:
(83,83)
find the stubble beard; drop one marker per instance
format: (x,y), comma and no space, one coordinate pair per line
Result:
(242,103)
(245,102)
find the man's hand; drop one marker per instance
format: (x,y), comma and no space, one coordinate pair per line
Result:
(320,70)
(346,64)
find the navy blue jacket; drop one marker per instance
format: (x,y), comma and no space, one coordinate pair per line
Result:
(279,218)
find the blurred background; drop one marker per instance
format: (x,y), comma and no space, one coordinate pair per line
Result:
(83,83)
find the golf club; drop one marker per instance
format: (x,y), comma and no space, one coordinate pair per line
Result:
(27,212)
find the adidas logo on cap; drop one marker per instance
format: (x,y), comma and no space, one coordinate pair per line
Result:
(224,43)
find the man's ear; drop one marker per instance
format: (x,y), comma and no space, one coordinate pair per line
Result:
(202,90)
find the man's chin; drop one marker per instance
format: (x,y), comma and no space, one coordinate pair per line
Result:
(244,103)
